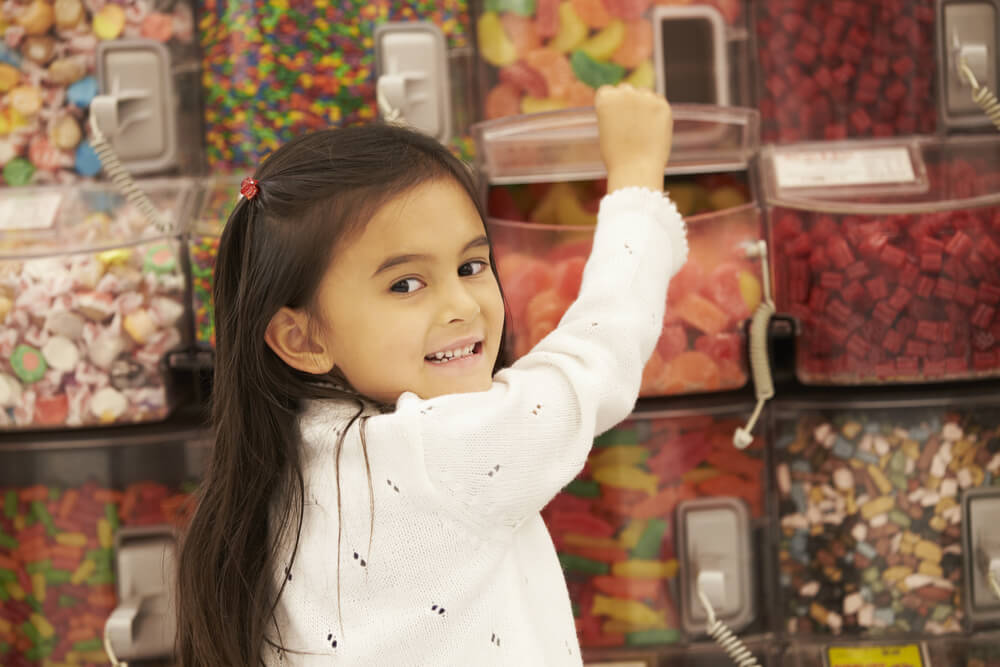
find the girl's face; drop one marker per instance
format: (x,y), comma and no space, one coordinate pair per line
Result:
(412,303)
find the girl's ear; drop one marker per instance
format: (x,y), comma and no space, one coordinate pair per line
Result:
(289,336)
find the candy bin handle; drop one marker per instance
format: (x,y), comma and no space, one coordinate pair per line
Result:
(760,363)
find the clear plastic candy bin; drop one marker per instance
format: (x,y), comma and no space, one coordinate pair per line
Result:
(91,299)
(546,181)
(870,501)
(887,254)
(63,503)
(614,525)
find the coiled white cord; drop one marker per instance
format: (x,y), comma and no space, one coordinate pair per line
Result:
(981,95)
(122,179)
(725,637)
(994,578)
(115,662)
(760,363)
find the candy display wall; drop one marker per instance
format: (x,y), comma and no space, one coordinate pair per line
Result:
(272,70)
(61,510)
(613,526)
(540,264)
(90,307)
(47,80)
(846,68)
(870,517)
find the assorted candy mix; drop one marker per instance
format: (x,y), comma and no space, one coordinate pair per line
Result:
(831,69)
(871,518)
(542,55)
(57,585)
(540,264)
(613,525)
(47,77)
(903,297)
(87,318)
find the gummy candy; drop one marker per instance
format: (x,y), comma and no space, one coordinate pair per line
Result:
(494,45)
(525,79)
(580,95)
(593,12)
(521,31)
(630,10)
(554,66)
(637,45)
(702,314)
(547,19)
(572,29)
(593,73)
(602,45)
(642,76)
(503,100)
(521,7)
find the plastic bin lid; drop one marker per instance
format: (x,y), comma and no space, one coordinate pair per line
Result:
(47,221)
(563,145)
(898,176)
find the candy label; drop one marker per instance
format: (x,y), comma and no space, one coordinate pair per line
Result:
(871,166)
(36,211)
(907,655)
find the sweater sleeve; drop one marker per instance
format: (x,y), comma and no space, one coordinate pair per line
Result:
(502,454)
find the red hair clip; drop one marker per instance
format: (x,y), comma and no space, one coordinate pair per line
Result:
(249,188)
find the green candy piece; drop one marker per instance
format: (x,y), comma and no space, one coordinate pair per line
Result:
(649,637)
(7,542)
(4,596)
(111,514)
(617,436)
(42,514)
(88,645)
(58,576)
(519,7)
(28,363)
(101,578)
(899,518)
(34,604)
(7,576)
(160,258)
(18,171)
(574,563)
(651,540)
(584,488)
(10,504)
(593,73)
(67,601)
(42,566)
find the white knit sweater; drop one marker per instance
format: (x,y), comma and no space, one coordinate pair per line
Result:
(446,561)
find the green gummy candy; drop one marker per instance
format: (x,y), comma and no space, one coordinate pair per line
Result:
(111,514)
(38,566)
(574,563)
(28,363)
(617,436)
(593,73)
(519,7)
(584,488)
(18,171)
(88,645)
(657,636)
(58,576)
(10,504)
(7,542)
(648,546)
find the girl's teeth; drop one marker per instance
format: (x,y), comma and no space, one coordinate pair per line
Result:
(452,354)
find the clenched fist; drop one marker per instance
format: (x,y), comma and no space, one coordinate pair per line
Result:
(636,128)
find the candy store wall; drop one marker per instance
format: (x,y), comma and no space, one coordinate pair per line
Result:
(849,68)
(47,81)
(273,70)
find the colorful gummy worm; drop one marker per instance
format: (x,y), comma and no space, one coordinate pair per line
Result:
(272,70)
(613,525)
(57,584)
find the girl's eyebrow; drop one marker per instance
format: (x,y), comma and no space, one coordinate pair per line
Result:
(396,260)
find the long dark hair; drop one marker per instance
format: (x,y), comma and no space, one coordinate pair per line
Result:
(316,193)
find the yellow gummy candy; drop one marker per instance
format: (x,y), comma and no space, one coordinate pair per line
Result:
(618,454)
(750,289)
(642,76)
(602,45)
(627,477)
(540,104)
(629,611)
(572,29)
(496,48)
(109,22)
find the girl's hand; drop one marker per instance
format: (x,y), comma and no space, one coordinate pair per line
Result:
(636,129)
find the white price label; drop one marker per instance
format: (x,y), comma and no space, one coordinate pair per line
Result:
(869,166)
(29,211)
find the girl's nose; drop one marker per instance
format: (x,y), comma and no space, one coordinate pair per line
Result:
(459,304)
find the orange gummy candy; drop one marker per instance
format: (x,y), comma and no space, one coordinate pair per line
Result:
(637,46)
(503,100)
(592,12)
(521,31)
(556,69)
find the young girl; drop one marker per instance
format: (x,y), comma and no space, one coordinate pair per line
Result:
(376,482)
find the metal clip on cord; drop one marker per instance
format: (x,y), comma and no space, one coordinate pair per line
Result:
(981,95)
(123,180)
(760,364)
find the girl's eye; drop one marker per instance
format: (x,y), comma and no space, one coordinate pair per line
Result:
(472,268)
(406,285)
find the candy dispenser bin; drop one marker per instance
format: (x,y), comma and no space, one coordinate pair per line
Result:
(615,526)
(869,496)
(546,55)
(64,500)
(48,78)
(545,182)
(92,299)
(886,254)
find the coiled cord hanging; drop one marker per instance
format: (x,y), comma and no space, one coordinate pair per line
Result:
(112,658)
(760,363)
(724,637)
(981,95)
(122,179)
